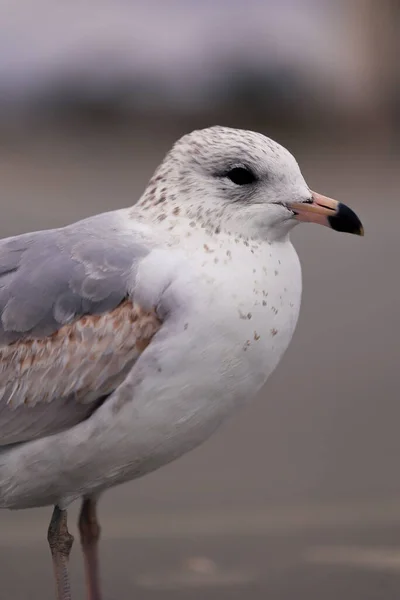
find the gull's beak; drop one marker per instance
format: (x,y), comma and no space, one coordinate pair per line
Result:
(328,212)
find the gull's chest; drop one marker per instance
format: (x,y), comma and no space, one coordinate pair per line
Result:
(253,297)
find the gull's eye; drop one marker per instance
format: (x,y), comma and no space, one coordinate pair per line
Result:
(241,176)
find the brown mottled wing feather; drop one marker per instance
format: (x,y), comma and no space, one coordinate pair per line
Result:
(51,384)
(69,332)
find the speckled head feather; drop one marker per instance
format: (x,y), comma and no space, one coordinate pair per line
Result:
(195,181)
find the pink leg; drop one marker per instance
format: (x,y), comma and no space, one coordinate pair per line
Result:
(89,529)
(60,542)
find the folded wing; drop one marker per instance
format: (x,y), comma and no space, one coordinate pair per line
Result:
(70,329)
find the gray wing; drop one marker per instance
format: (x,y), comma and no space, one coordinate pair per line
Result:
(69,331)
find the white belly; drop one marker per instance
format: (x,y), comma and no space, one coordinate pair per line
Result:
(222,351)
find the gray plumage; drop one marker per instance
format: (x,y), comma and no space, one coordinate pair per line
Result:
(50,278)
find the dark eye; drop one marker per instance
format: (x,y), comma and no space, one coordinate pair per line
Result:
(241,176)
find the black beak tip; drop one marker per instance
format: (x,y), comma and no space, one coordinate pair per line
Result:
(346,220)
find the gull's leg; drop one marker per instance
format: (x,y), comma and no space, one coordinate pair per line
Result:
(89,530)
(60,542)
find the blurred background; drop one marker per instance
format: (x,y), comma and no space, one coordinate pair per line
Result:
(299,494)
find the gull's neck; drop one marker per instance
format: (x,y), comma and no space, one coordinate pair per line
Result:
(170,216)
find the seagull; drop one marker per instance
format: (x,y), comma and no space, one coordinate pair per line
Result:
(128,337)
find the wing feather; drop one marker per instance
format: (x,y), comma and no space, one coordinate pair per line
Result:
(69,330)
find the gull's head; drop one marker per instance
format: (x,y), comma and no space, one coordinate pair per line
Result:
(242,182)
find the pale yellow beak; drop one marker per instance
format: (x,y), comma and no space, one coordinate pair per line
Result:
(328,212)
